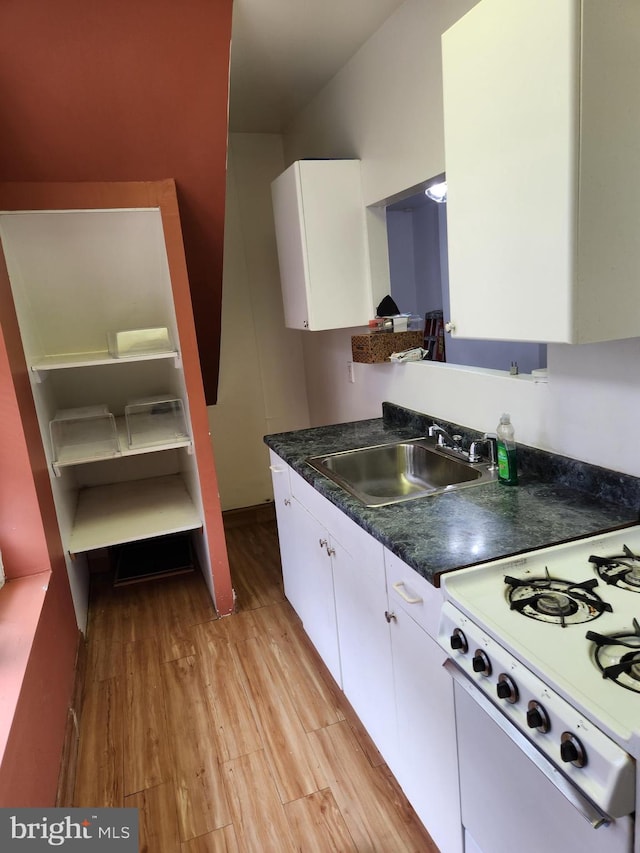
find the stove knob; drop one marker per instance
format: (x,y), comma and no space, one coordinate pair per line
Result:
(481,663)
(459,641)
(507,688)
(537,717)
(571,750)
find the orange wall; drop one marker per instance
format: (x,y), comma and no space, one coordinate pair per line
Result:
(127,90)
(31,544)
(31,762)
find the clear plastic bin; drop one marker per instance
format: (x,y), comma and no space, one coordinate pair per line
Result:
(136,342)
(155,420)
(83,434)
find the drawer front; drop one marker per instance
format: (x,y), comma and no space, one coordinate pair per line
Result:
(413,593)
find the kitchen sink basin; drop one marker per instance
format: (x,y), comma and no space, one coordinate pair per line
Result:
(391,473)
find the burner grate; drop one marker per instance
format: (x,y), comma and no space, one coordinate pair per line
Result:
(554,600)
(618,656)
(620,570)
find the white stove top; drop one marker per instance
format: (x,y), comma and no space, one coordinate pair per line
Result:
(561,656)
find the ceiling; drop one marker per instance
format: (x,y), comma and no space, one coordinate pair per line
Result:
(283,52)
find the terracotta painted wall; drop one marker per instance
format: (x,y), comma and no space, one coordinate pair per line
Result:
(127,91)
(31,544)
(31,762)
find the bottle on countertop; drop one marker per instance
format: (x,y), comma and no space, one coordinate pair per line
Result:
(506,446)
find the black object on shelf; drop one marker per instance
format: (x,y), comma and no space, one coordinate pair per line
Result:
(153,558)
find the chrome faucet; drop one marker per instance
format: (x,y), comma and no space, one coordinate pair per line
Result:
(451,442)
(488,440)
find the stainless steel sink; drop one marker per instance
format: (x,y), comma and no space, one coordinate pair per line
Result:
(391,473)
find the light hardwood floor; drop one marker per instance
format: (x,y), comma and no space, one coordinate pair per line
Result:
(228,734)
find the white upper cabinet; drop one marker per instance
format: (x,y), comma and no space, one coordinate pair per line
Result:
(542,133)
(322,245)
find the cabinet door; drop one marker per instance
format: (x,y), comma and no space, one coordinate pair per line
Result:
(363,631)
(511,144)
(313,585)
(322,245)
(425,762)
(291,576)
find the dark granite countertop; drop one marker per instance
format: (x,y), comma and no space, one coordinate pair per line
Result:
(557,499)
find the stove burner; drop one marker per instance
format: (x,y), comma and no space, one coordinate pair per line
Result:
(555,604)
(621,570)
(618,656)
(556,601)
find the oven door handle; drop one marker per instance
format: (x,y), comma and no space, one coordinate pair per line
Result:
(585,807)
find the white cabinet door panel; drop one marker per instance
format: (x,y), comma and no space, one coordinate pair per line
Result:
(363,630)
(314,586)
(425,763)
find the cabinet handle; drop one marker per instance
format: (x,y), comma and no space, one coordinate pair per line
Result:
(276,469)
(390,616)
(287,501)
(323,543)
(410,599)
(331,552)
(449,327)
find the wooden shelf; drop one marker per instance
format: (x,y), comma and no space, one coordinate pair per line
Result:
(124,449)
(131,511)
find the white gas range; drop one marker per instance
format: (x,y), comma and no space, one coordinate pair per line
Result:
(545,654)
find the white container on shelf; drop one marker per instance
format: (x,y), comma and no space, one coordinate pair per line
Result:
(155,420)
(135,342)
(88,432)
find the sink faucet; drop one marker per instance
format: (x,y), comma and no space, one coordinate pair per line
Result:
(451,442)
(488,440)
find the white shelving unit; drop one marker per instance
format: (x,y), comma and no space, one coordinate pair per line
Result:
(78,276)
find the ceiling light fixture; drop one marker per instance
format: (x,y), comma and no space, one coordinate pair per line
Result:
(437,192)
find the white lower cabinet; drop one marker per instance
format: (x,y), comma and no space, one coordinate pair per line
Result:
(363,635)
(425,763)
(307,570)
(370,617)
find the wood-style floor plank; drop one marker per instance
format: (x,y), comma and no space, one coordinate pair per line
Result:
(99,769)
(220,841)
(255,548)
(157,819)
(234,726)
(363,795)
(299,673)
(258,815)
(147,761)
(317,824)
(200,797)
(293,762)
(179,603)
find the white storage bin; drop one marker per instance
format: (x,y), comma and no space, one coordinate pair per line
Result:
(136,342)
(83,434)
(155,420)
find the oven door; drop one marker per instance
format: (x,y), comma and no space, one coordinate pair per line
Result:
(512,797)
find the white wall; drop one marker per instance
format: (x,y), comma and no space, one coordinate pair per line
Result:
(262,384)
(385,107)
